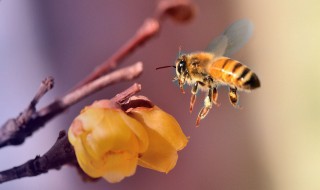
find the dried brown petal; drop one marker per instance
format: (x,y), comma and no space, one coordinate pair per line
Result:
(178,10)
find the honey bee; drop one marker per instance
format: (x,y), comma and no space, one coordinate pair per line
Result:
(212,68)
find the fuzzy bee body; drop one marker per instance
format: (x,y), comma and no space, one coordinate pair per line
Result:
(208,70)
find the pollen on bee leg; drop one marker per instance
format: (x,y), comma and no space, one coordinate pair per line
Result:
(207,106)
(233,97)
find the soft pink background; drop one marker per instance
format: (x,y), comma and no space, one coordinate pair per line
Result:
(67,39)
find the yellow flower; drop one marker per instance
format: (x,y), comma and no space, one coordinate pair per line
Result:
(110,143)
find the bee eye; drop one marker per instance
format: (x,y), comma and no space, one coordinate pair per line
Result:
(181,66)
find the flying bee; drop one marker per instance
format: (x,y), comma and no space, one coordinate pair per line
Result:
(212,68)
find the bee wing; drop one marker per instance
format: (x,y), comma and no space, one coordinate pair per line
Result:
(218,46)
(232,39)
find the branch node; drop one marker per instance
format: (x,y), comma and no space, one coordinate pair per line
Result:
(46,85)
(179,10)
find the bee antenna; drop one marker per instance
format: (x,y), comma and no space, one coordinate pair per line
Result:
(180,47)
(163,67)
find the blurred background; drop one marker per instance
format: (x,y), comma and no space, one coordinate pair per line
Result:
(272,144)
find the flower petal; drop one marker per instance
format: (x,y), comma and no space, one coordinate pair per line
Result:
(110,130)
(161,122)
(160,156)
(120,165)
(105,131)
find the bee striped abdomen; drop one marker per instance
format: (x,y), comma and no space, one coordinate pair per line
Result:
(234,73)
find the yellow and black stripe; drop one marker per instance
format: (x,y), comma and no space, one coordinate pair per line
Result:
(234,73)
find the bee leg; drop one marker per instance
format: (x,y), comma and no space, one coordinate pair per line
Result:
(207,106)
(215,96)
(194,91)
(181,83)
(233,96)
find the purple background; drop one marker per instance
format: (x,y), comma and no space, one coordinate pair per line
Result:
(67,39)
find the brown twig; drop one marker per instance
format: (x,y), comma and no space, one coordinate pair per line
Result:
(14,132)
(178,10)
(46,85)
(122,96)
(125,74)
(8,129)
(60,153)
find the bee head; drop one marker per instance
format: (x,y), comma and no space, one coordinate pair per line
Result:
(181,65)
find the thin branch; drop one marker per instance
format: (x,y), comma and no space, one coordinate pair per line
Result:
(125,74)
(46,85)
(14,133)
(60,153)
(178,10)
(119,98)
(8,129)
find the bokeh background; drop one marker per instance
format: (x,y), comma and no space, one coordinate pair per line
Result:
(272,144)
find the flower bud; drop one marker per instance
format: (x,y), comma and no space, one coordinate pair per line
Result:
(110,142)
